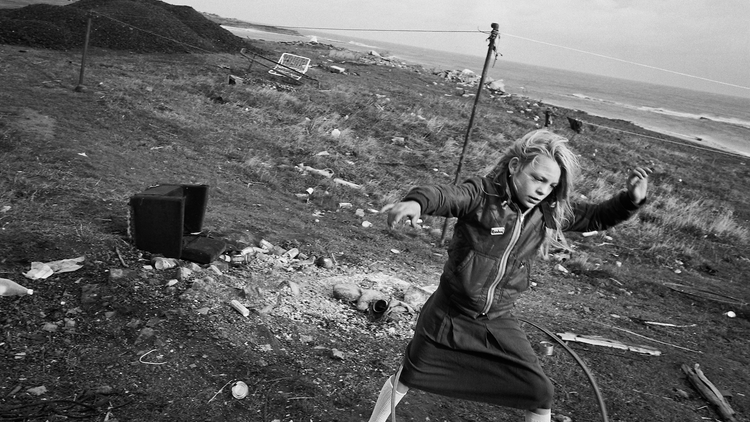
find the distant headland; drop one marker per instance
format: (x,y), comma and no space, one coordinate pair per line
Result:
(244,24)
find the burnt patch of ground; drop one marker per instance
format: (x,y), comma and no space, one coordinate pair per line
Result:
(143,26)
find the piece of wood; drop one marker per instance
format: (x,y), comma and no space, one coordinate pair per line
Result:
(325,173)
(709,392)
(648,338)
(666,324)
(349,184)
(601,341)
(706,294)
(119,256)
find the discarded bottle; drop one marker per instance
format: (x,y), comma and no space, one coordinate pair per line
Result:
(11,288)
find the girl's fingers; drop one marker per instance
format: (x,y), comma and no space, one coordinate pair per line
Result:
(387,208)
(641,173)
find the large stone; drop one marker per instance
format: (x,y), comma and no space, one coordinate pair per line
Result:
(497,86)
(382,281)
(145,336)
(347,291)
(416,296)
(119,275)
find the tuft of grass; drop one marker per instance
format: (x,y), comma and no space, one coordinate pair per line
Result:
(699,218)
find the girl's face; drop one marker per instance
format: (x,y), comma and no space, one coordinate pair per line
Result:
(535,181)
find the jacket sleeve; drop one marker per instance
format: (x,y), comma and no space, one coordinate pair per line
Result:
(448,200)
(601,216)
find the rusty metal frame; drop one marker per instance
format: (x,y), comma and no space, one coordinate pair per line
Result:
(253,59)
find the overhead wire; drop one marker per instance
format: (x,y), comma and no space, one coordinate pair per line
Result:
(604,56)
(150,32)
(454,31)
(432,31)
(459,31)
(475,31)
(578,50)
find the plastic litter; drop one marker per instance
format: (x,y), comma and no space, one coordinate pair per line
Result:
(41,270)
(11,288)
(239,390)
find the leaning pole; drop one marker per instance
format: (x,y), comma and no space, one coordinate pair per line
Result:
(80,87)
(490,50)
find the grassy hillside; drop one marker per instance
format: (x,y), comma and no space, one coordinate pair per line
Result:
(144,26)
(71,160)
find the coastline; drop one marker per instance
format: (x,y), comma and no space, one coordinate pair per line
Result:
(700,142)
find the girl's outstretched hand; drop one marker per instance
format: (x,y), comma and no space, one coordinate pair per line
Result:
(407,209)
(637,184)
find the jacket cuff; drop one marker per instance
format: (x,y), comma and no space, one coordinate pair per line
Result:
(628,203)
(418,198)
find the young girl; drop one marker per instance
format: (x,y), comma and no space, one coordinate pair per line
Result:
(467,344)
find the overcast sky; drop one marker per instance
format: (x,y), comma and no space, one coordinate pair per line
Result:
(706,39)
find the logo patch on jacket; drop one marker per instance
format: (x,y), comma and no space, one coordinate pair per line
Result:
(497,231)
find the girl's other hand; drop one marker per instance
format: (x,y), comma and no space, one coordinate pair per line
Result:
(407,209)
(637,184)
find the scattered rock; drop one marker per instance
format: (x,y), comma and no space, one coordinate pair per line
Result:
(324,262)
(161,263)
(347,292)
(121,274)
(294,287)
(416,296)
(104,390)
(145,336)
(183,273)
(37,391)
(90,294)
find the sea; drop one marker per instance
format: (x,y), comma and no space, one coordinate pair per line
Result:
(706,120)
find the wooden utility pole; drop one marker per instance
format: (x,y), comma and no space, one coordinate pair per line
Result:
(80,87)
(490,50)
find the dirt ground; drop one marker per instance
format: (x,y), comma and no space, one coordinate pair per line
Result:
(120,340)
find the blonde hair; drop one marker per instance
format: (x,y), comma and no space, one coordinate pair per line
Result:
(545,143)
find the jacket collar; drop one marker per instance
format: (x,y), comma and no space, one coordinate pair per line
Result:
(503,187)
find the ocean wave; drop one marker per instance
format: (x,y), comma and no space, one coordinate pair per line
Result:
(359,44)
(667,112)
(598,100)
(323,38)
(343,43)
(726,120)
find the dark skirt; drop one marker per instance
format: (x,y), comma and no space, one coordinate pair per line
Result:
(484,360)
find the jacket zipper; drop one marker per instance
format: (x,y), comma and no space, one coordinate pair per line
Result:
(504,262)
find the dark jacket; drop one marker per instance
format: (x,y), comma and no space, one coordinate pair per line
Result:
(493,242)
